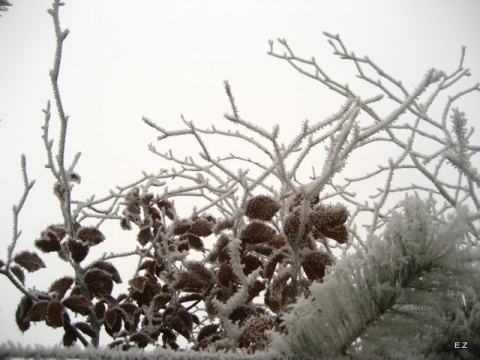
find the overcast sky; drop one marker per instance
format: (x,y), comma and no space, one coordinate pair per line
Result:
(159,59)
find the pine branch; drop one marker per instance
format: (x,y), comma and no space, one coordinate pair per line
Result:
(363,290)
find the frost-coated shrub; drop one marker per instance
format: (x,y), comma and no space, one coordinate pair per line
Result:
(268,259)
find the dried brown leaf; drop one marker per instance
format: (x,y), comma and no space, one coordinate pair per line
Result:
(257,232)
(90,235)
(199,270)
(111,318)
(145,236)
(86,329)
(18,272)
(54,315)
(167,207)
(207,331)
(21,313)
(70,337)
(202,227)
(109,268)
(141,339)
(261,207)
(79,304)
(99,310)
(125,224)
(338,233)
(138,283)
(78,250)
(314,264)
(182,226)
(29,261)
(48,245)
(195,242)
(99,282)
(61,286)
(251,263)
(38,311)
(159,301)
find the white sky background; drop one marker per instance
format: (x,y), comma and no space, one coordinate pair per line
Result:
(159,59)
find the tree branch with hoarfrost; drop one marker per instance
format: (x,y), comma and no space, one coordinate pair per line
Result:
(267,257)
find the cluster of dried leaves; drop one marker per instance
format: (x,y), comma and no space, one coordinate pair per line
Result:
(218,283)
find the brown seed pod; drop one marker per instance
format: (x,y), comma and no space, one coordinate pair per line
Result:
(262,208)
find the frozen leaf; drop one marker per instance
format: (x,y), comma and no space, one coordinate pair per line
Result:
(262,208)
(74,177)
(99,282)
(54,315)
(113,321)
(296,231)
(254,335)
(338,233)
(147,199)
(50,239)
(18,272)
(328,215)
(69,337)
(188,282)
(109,268)
(207,331)
(314,264)
(250,263)
(125,224)
(159,301)
(145,236)
(199,270)
(167,207)
(21,317)
(219,251)
(99,310)
(29,261)
(78,250)
(257,232)
(190,297)
(47,246)
(202,227)
(38,311)
(195,242)
(138,283)
(226,276)
(58,230)
(79,304)
(61,286)
(86,329)
(90,235)
(271,264)
(255,289)
(141,339)
(182,226)
(180,320)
